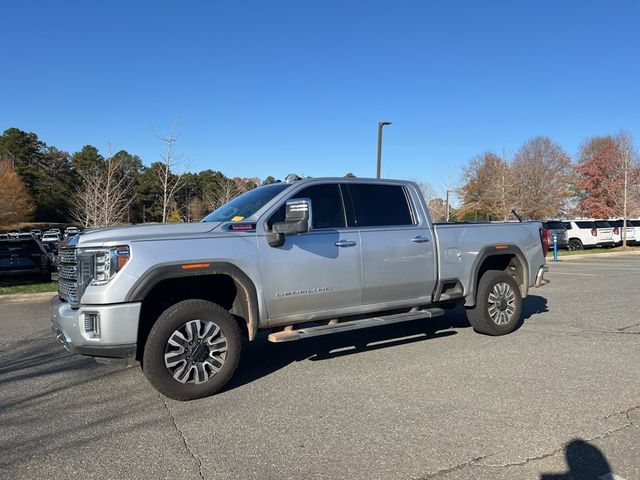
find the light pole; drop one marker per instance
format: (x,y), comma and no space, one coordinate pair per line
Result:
(380,125)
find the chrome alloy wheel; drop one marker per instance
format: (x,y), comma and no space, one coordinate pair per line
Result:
(195,352)
(502,303)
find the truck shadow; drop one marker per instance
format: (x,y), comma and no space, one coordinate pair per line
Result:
(533,305)
(262,358)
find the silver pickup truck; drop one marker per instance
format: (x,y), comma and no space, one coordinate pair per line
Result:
(298,259)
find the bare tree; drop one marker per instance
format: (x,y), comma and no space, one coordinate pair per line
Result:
(104,196)
(170,169)
(435,203)
(227,189)
(628,196)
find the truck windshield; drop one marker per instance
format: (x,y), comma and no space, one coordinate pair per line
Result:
(246,204)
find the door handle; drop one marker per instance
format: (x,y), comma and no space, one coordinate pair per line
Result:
(346,243)
(420,239)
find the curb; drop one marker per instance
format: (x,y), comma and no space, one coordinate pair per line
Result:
(603,254)
(25,297)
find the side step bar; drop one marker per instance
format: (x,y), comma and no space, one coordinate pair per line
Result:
(291,335)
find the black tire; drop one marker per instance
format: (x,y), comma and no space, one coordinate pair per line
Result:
(487,316)
(575,244)
(174,319)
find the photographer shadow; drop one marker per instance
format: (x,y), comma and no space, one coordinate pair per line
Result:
(585,461)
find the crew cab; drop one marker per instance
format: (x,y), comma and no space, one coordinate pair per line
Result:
(297,260)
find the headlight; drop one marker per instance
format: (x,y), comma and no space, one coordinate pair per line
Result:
(106,262)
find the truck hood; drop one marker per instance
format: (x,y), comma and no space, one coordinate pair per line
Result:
(115,235)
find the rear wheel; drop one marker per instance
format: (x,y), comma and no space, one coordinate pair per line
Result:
(498,304)
(192,350)
(575,244)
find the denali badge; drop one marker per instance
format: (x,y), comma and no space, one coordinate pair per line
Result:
(304,291)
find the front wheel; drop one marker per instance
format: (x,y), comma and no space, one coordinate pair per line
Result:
(498,304)
(192,350)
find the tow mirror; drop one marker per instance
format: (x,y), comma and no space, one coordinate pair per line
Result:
(297,220)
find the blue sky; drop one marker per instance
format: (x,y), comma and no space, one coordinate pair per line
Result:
(268,88)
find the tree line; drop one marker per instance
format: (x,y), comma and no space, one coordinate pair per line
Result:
(43,183)
(541,181)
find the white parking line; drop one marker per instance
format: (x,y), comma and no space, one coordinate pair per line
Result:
(598,265)
(551,272)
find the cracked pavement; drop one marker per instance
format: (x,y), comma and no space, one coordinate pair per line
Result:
(557,399)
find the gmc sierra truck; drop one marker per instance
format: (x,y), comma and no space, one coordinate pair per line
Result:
(298,259)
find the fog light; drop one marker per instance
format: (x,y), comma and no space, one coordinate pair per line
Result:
(92,325)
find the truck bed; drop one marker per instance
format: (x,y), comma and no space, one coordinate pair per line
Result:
(461,248)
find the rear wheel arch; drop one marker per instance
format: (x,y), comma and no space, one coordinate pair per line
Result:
(509,259)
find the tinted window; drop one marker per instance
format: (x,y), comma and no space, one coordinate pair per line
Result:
(19,247)
(602,224)
(616,223)
(326,206)
(380,205)
(555,225)
(588,225)
(635,223)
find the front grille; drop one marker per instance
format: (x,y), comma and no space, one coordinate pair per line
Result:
(67,255)
(68,275)
(68,272)
(68,290)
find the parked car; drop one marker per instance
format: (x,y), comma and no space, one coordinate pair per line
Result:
(586,233)
(13,234)
(345,254)
(618,227)
(55,230)
(52,239)
(71,231)
(559,229)
(35,232)
(24,257)
(636,230)
(605,233)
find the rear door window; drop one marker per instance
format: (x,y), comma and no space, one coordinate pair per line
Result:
(380,205)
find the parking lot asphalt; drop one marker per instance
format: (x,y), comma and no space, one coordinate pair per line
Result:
(557,399)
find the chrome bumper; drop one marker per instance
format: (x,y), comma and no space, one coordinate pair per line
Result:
(540,280)
(118,328)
